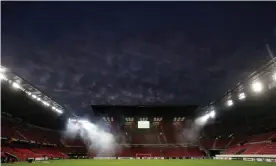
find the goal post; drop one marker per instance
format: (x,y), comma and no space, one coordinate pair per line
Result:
(143,155)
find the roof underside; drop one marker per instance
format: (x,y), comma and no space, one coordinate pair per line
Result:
(166,112)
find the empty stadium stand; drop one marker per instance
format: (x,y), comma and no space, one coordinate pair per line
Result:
(11,131)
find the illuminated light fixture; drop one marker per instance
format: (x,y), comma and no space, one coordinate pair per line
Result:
(38,99)
(212,114)
(274,76)
(2,76)
(16,85)
(83,121)
(54,108)
(34,96)
(45,103)
(257,87)
(72,120)
(242,96)
(59,111)
(229,103)
(2,69)
(205,117)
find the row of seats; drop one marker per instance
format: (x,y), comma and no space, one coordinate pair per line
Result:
(50,152)
(24,153)
(158,152)
(261,137)
(249,148)
(29,134)
(222,143)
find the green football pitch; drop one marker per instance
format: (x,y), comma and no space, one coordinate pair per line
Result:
(87,162)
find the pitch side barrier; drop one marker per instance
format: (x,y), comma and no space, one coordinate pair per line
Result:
(259,158)
(142,158)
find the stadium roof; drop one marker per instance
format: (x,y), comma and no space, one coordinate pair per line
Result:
(166,112)
(21,84)
(16,104)
(264,79)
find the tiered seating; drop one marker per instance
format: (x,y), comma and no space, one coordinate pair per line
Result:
(180,152)
(169,133)
(268,149)
(236,140)
(9,150)
(154,152)
(253,148)
(221,143)
(52,137)
(144,138)
(50,152)
(10,132)
(207,143)
(11,129)
(233,149)
(33,135)
(27,153)
(151,138)
(195,152)
(256,148)
(126,152)
(260,137)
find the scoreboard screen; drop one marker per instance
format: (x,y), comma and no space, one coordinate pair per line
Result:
(143,124)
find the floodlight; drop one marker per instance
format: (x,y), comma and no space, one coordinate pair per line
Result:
(257,86)
(2,77)
(2,69)
(72,120)
(242,96)
(38,99)
(229,103)
(84,121)
(274,76)
(46,103)
(16,85)
(205,117)
(202,120)
(34,96)
(59,111)
(212,114)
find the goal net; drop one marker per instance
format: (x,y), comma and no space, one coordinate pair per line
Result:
(143,156)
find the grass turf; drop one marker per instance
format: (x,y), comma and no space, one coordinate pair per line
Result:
(89,162)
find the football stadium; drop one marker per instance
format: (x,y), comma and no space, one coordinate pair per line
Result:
(143,84)
(238,128)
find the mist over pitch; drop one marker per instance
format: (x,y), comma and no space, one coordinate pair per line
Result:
(95,137)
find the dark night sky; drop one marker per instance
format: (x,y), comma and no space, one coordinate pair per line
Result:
(135,53)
